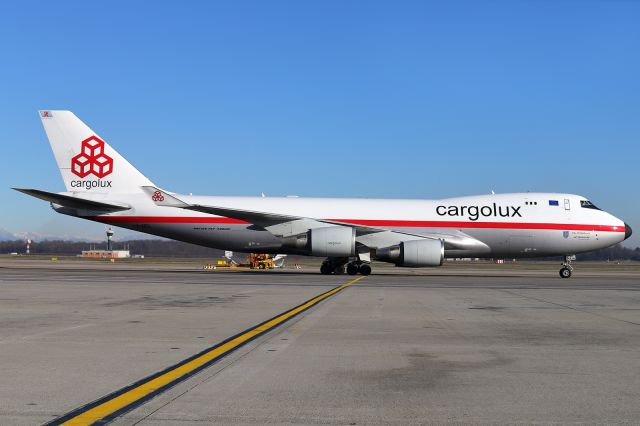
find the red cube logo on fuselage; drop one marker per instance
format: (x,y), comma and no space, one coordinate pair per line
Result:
(92,159)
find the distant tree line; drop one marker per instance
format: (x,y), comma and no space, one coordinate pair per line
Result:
(168,248)
(150,248)
(616,252)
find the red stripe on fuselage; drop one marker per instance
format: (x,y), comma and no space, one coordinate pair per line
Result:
(168,219)
(374,222)
(481,225)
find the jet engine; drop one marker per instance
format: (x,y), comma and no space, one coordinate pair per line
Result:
(330,241)
(414,253)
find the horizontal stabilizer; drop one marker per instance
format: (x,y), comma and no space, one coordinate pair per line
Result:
(73,202)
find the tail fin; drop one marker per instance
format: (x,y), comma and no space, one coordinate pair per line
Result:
(86,162)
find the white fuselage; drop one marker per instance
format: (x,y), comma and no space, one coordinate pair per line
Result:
(504,225)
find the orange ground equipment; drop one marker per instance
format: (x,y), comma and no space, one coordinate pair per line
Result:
(260,261)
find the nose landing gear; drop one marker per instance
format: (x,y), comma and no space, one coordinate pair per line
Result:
(565,273)
(567,269)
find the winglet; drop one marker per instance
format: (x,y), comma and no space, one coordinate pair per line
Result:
(161,198)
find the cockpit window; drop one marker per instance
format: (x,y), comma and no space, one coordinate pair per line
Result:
(588,205)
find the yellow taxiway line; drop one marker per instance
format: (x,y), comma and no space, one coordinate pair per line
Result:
(119,402)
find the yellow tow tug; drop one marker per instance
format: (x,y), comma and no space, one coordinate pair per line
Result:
(261,261)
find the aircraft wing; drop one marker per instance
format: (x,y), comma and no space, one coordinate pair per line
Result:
(261,219)
(73,202)
(287,225)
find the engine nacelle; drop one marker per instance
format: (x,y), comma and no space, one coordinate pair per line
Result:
(330,241)
(414,253)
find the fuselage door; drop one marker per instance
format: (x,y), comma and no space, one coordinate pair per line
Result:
(567,204)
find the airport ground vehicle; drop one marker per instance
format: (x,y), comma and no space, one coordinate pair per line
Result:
(260,261)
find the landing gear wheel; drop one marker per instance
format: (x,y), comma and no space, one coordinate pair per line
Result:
(567,269)
(352,269)
(565,273)
(333,265)
(365,269)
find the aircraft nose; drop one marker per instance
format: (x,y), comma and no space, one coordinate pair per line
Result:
(627,231)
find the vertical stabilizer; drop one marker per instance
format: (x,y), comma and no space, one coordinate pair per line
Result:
(87,163)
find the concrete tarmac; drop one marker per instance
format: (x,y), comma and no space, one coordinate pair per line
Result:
(395,348)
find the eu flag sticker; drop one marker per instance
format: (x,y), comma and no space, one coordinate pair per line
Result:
(554,203)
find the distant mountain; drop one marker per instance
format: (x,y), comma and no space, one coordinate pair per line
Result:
(7,236)
(36,236)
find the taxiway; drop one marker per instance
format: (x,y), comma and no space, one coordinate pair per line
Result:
(401,347)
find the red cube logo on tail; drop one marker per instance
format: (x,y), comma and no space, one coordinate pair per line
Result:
(92,159)
(157,196)
(92,147)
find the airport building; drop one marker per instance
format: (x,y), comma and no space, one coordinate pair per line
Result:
(106,254)
(109,253)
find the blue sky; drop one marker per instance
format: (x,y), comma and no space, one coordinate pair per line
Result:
(368,99)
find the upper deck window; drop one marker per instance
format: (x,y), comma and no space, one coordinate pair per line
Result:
(588,205)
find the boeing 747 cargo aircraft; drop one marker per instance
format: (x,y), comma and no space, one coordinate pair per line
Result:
(104,187)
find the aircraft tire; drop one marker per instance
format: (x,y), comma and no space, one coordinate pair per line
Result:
(365,269)
(565,273)
(325,269)
(352,269)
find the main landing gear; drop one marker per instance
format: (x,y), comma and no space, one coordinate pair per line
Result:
(338,266)
(353,268)
(327,269)
(567,269)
